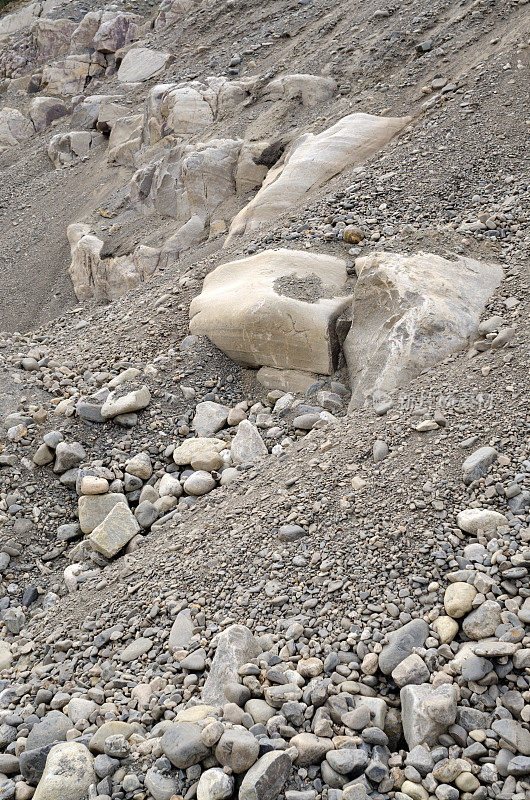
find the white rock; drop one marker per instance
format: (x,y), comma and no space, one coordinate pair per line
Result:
(311,161)
(472,520)
(409,313)
(183,454)
(68,774)
(250,309)
(140,64)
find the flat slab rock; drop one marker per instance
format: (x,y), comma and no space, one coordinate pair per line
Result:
(311,161)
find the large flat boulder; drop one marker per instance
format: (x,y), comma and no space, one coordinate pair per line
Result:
(410,312)
(276,309)
(140,64)
(311,161)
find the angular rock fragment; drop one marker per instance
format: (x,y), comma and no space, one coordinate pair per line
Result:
(115,531)
(235,646)
(427,712)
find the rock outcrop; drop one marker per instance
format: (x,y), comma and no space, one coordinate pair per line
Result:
(105,278)
(311,161)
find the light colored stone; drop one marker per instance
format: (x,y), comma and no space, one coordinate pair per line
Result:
(243,312)
(125,403)
(247,445)
(68,774)
(14,127)
(288,380)
(214,784)
(235,646)
(446,628)
(115,531)
(458,599)
(310,162)
(199,483)
(209,418)
(427,712)
(136,649)
(472,520)
(310,89)
(105,278)
(126,139)
(140,64)
(94,508)
(184,453)
(139,466)
(409,313)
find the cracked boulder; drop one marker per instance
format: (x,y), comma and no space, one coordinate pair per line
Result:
(311,161)
(410,312)
(277,308)
(14,127)
(67,148)
(94,277)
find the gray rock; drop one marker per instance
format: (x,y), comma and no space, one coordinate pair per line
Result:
(379,450)
(348,761)
(311,749)
(146,514)
(89,410)
(291,533)
(183,745)
(199,483)
(513,733)
(265,780)
(68,455)
(476,465)
(209,418)
(181,631)
(427,713)
(483,621)
(115,531)
(421,759)
(247,444)
(160,786)
(237,749)
(136,649)
(401,643)
(412,669)
(121,402)
(52,728)
(235,646)
(32,763)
